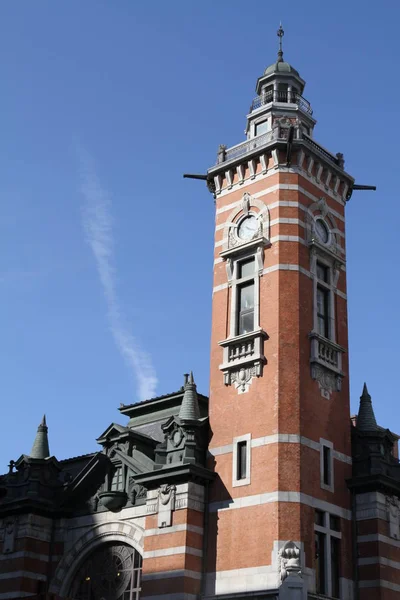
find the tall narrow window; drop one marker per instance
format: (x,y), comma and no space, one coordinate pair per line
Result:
(320,568)
(323,311)
(241,467)
(245,308)
(323,301)
(335,543)
(326,465)
(241,460)
(327,554)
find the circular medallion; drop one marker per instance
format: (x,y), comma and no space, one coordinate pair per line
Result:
(248,228)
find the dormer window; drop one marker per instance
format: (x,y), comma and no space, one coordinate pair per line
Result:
(117,480)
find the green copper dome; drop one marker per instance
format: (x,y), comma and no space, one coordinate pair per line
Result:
(280,66)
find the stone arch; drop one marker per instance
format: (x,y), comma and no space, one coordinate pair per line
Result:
(248,202)
(115,531)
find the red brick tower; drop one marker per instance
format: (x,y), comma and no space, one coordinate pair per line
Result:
(280,510)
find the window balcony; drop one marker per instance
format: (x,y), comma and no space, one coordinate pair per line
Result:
(326,362)
(243,358)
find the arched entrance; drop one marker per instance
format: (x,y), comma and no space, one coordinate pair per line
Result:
(112,571)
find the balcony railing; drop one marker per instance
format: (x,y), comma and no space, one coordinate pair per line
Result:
(247,146)
(282,96)
(326,353)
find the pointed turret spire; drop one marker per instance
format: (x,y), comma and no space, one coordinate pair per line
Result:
(280,33)
(40,448)
(189,410)
(366,418)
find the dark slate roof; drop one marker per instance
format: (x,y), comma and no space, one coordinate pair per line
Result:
(160,407)
(366,417)
(40,448)
(124,407)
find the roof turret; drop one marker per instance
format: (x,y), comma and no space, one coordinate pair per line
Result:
(366,418)
(189,410)
(40,448)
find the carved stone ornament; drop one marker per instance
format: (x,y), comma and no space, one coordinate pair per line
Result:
(136,491)
(327,380)
(10,530)
(242,378)
(393,515)
(248,206)
(322,206)
(93,503)
(289,561)
(166,504)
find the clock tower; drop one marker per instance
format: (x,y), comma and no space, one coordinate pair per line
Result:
(280,510)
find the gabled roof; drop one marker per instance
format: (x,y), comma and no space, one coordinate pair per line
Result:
(115,431)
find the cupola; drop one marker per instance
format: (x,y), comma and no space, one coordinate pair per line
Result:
(279,96)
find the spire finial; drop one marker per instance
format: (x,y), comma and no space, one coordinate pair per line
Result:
(40,448)
(280,33)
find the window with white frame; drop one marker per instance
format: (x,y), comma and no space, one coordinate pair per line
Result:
(326,465)
(327,553)
(324,301)
(241,460)
(261,127)
(244,318)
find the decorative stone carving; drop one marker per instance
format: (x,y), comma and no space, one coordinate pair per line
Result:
(242,378)
(393,515)
(289,561)
(136,491)
(166,504)
(93,503)
(246,203)
(10,531)
(221,154)
(327,380)
(229,269)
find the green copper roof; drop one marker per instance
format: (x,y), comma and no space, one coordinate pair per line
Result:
(189,410)
(280,66)
(40,448)
(366,418)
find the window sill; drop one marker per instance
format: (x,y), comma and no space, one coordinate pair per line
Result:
(327,249)
(245,247)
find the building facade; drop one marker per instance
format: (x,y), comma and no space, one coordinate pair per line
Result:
(266,488)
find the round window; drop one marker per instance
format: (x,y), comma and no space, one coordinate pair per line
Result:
(322,231)
(248,228)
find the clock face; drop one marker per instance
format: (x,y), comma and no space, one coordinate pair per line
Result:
(248,228)
(322,231)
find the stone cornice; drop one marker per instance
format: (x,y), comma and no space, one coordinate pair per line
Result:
(174,474)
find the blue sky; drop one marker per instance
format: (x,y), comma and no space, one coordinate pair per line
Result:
(106,252)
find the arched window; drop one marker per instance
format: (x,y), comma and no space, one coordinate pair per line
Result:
(111,572)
